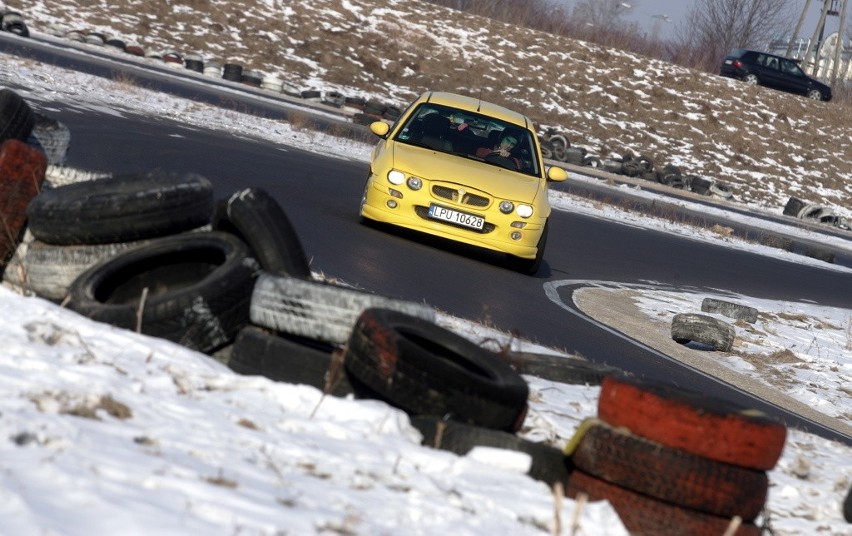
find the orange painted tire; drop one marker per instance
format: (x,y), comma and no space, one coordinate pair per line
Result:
(671,475)
(693,422)
(22,169)
(645,515)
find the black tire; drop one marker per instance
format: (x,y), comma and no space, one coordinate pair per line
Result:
(549,464)
(316,310)
(847,506)
(232,72)
(729,309)
(289,359)
(424,369)
(703,329)
(669,474)
(793,207)
(121,209)
(699,185)
(592,161)
(48,270)
(199,289)
(16,117)
(557,368)
(13,22)
(257,218)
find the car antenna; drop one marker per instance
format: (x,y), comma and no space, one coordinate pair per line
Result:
(479,105)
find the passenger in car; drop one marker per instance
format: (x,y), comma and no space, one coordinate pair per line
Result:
(503,148)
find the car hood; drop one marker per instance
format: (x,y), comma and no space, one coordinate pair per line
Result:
(433,166)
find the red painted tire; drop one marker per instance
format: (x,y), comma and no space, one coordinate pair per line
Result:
(692,422)
(22,169)
(671,475)
(645,515)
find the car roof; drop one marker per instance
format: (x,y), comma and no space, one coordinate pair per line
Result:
(472,104)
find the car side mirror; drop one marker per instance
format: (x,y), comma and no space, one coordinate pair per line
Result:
(379,128)
(556,174)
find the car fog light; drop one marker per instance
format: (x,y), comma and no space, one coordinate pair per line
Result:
(395,193)
(525,211)
(414,183)
(391,203)
(396,177)
(518,224)
(506,207)
(516,235)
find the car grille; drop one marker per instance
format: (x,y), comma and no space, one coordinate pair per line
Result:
(466,198)
(423,212)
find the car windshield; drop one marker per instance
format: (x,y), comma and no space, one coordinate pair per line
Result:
(471,135)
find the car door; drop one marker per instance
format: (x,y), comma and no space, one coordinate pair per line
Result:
(795,80)
(771,72)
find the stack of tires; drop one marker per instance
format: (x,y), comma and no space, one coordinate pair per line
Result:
(137,252)
(708,331)
(672,461)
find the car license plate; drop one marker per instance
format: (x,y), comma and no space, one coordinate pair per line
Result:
(454,216)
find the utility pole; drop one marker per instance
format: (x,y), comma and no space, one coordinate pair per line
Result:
(839,47)
(817,38)
(798,29)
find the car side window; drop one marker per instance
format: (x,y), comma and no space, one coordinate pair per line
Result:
(790,67)
(761,60)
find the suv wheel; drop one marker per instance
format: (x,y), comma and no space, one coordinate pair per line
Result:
(750,79)
(815,94)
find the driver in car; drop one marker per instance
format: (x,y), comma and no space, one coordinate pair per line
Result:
(504,147)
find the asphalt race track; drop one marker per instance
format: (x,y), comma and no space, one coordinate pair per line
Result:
(321,195)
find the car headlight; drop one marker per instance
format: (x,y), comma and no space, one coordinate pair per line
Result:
(525,211)
(415,183)
(396,177)
(506,207)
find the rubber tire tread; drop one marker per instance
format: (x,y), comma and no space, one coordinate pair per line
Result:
(201,285)
(669,474)
(643,515)
(256,217)
(49,270)
(318,310)
(733,310)
(704,329)
(556,368)
(280,358)
(425,369)
(549,464)
(693,422)
(16,116)
(22,170)
(122,209)
(793,207)
(53,136)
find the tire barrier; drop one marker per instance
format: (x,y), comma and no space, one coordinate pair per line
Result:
(814,212)
(709,331)
(190,288)
(232,72)
(318,310)
(729,309)
(693,422)
(121,209)
(13,22)
(426,370)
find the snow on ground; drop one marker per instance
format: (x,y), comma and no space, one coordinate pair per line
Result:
(110,431)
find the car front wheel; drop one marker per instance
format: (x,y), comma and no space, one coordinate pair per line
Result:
(750,79)
(815,94)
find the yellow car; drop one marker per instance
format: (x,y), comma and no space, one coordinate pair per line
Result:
(465,170)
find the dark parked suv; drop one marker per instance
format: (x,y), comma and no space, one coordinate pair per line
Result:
(773,71)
